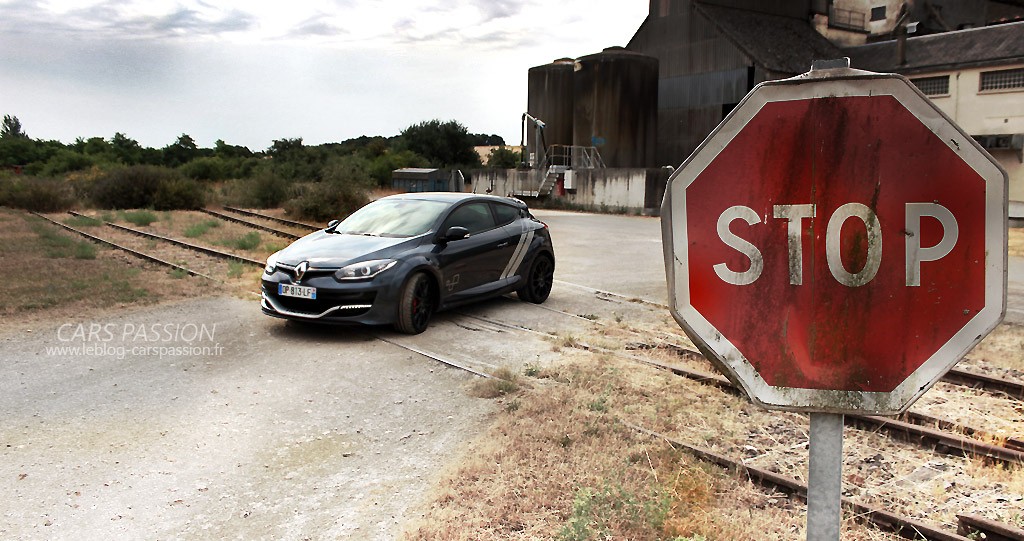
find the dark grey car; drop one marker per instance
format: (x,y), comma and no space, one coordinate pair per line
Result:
(401,258)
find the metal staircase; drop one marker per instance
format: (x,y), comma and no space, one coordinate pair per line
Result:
(558,159)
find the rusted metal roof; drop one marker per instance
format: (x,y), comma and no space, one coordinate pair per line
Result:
(783,45)
(976,47)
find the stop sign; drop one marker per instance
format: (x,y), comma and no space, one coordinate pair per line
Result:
(837,244)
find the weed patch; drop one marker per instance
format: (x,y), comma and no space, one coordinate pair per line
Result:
(59,246)
(503,382)
(140,218)
(235,269)
(83,221)
(200,229)
(248,241)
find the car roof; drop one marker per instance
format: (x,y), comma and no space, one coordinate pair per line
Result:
(456,197)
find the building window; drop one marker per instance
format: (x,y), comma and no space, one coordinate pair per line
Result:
(1002,79)
(878,13)
(933,86)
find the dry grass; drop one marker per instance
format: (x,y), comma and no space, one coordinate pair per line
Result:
(560,465)
(54,274)
(1003,348)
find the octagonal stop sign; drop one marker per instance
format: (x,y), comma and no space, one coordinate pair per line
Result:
(837,244)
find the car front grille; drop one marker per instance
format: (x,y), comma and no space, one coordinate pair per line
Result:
(360,302)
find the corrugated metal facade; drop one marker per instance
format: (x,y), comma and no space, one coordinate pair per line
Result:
(702,73)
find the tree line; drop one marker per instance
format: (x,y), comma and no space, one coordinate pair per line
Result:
(310,179)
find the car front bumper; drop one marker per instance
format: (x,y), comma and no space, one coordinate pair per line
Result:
(368,303)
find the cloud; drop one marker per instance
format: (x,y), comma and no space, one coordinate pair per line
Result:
(317,26)
(498,9)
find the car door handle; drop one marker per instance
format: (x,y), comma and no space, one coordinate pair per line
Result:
(503,244)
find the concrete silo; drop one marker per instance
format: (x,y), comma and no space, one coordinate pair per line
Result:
(550,99)
(615,95)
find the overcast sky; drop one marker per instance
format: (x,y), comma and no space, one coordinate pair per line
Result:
(253,71)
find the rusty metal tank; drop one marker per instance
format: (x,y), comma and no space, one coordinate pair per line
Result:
(615,95)
(550,99)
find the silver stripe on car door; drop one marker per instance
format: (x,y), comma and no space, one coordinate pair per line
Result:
(519,254)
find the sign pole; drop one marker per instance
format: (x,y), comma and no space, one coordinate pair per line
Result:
(825,477)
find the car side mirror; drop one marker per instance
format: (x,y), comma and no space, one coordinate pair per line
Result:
(332,224)
(456,233)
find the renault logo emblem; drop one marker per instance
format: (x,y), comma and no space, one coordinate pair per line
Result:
(300,270)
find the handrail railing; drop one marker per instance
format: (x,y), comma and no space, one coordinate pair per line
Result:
(575,157)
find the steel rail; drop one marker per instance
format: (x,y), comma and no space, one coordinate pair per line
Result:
(434,356)
(944,442)
(292,223)
(900,525)
(978,527)
(136,253)
(956,376)
(183,244)
(253,225)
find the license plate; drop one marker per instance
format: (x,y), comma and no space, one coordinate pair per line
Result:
(301,292)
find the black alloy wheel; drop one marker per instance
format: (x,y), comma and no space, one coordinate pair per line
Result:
(415,304)
(538,281)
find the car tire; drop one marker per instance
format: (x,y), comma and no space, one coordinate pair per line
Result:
(538,280)
(415,304)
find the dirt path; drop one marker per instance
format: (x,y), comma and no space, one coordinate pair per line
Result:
(273,430)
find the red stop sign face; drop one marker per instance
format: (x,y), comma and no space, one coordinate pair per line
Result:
(842,244)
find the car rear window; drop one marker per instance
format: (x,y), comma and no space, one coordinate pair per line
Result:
(506,213)
(393,218)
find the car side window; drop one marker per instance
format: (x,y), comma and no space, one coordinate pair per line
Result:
(476,217)
(506,213)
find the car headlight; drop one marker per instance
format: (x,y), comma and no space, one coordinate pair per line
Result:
(364,269)
(271,264)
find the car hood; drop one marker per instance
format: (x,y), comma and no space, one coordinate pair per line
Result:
(335,250)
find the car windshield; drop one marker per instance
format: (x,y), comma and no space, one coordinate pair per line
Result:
(393,218)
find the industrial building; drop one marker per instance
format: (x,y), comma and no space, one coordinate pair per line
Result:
(631,111)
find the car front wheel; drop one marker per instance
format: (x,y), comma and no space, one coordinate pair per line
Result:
(538,280)
(415,304)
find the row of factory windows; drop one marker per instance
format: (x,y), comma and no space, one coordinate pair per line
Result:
(1010,79)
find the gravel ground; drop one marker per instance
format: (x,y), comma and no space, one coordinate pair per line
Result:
(284,432)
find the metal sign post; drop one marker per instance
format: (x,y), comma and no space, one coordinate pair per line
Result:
(773,232)
(825,477)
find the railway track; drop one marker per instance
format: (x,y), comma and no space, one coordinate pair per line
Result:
(900,525)
(130,251)
(253,225)
(943,441)
(187,245)
(300,225)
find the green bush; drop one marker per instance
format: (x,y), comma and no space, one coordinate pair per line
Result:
(179,193)
(146,186)
(209,168)
(66,161)
(129,187)
(267,190)
(345,188)
(36,194)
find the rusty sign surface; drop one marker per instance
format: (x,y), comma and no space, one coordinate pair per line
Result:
(837,244)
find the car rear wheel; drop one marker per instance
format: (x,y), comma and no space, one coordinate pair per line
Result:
(538,280)
(415,304)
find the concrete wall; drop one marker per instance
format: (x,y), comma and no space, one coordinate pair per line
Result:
(986,113)
(631,190)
